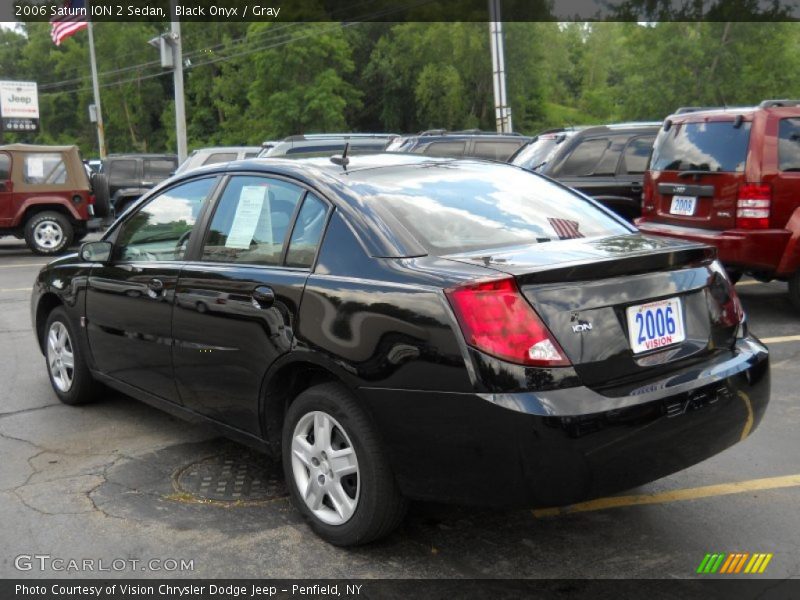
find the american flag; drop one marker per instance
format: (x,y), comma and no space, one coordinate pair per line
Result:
(566,229)
(63,27)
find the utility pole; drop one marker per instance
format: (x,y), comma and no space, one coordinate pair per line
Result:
(101,136)
(502,112)
(171,48)
(180,106)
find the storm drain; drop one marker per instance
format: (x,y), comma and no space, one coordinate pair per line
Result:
(233,477)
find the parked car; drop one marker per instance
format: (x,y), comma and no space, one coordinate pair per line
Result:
(536,153)
(45,197)
(409,328)
(606,162)
(123,178)
(460,144)
(209,156)
(731,178)
(326,144)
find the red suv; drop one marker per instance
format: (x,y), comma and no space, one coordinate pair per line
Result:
(731,178)
(46,197)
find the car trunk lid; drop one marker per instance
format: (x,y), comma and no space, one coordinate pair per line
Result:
(584,290)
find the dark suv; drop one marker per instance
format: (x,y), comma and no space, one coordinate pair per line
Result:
(731,178)
(460,144)
(123,178)
(606,162)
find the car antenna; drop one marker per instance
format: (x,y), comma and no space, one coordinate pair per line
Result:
(342,160)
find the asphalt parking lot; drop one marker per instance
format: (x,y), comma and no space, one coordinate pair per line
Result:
(120,480)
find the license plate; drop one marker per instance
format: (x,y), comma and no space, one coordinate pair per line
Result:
(683,205)
(655,325)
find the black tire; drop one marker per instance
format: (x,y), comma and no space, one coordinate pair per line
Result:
(102,196)
(794,290)
(379,506)
(83,388)
(734,275)
(49,233)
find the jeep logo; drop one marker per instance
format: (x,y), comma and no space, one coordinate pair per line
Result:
(19,99)
(580,327)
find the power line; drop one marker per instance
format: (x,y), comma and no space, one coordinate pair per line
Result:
(286,38)
(243,40)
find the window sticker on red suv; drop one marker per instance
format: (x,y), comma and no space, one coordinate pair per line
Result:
(718,146)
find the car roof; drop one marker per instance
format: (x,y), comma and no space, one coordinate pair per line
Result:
(633,126)
(142,155)
(36,148)
(336,136)
(213,149)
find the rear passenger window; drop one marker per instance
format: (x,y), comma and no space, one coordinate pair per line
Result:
(44,168)
(158,169)
(495,150)
(788,145)
(122,169)
(5,167)
(307,233)
(452,149)
(586,158)
(636,155)
(251,221)
(219,157)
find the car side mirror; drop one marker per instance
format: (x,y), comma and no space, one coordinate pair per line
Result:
(99,252)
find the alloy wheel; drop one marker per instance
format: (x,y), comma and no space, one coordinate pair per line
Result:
(48,234)
(325,468)
(60,356)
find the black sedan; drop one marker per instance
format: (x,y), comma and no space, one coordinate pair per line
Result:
(406,327)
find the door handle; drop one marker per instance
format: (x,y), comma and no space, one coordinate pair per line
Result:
(263,296)
(155,285)
(635,187)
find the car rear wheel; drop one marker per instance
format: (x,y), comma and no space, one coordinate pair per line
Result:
(335,469)
(69,374)
(794,290)
(48,233)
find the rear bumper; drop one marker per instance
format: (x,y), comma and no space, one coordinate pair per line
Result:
(95,223)
(565,446)
(756,250)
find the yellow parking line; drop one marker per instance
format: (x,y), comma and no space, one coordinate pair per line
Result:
(749,282)
(708,491)
(27,289)
(781,339)
(22,265)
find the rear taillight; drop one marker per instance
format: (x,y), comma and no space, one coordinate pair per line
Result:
(495,318)
(91,199)
(753,205)
(729,308)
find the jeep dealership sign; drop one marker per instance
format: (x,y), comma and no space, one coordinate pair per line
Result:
(19,105)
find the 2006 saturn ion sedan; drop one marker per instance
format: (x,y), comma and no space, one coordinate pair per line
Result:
(406,327)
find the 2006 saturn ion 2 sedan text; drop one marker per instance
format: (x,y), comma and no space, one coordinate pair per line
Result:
(404,327)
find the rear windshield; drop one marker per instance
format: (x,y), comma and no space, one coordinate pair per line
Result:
(450,210)
(716,146)
(538,152)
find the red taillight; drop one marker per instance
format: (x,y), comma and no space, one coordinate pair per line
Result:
(753,205)
(496,319)
(731,312)
(91,199)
